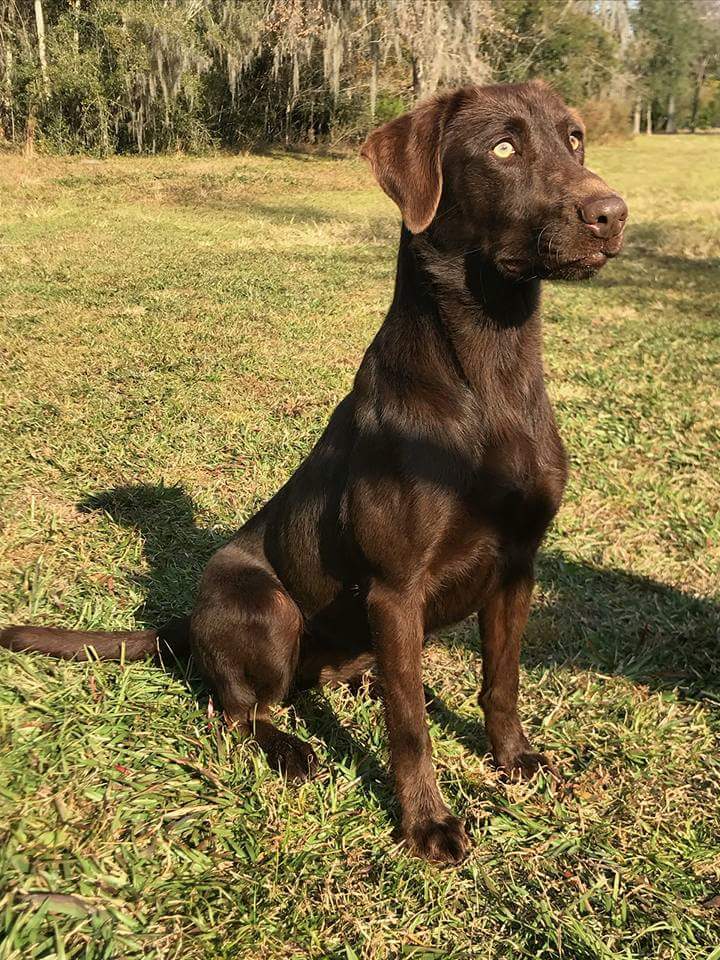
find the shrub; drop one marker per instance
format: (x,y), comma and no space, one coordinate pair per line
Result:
(607,119)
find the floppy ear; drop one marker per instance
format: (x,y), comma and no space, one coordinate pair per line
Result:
(405,156)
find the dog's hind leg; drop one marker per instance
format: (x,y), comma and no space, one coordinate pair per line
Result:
(245,635)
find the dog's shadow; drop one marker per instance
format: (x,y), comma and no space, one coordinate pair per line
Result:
(608,621)
(176,550)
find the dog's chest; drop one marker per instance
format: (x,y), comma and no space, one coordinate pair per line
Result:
(493,530)
(498,518)
(518,483)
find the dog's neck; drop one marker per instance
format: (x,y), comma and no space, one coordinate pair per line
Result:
(492,323)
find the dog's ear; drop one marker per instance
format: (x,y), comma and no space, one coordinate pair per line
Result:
(406,158)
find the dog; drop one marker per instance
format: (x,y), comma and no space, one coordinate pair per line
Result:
(428,494)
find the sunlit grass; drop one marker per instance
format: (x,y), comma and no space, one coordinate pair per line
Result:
(174,335)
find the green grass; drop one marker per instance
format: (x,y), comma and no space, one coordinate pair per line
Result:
(174,335)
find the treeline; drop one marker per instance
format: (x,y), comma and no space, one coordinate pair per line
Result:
(105,76)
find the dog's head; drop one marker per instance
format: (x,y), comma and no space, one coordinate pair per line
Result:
(500,170)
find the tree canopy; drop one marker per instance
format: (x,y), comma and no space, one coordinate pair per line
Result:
(150,75)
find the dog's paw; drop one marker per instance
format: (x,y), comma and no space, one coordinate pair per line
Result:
(524,765)
(441,839)
(294,758)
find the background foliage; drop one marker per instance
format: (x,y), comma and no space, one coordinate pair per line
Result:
(107,76)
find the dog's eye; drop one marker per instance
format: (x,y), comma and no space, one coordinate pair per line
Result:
(504,149)
(574,142)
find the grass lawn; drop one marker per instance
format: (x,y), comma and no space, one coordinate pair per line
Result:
(174,335)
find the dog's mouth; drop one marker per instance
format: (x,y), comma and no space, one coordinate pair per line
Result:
(562,252)
(590,261)
(561,261)
(584,266)
(559,269)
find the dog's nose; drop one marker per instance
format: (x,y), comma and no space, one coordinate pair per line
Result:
(605,216)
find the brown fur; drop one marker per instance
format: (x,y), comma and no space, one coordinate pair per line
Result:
(429,492)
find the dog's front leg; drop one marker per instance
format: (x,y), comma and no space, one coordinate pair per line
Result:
(502,622)
(428,826)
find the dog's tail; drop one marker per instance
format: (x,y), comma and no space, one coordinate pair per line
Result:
(125,645)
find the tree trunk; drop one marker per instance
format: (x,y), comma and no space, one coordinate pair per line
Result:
(373,82)
(699,81)
(8,91)
(670,125)
(76,28)
(637,116)
(104,120)
(30,134)
(374,51)
(418,79)
(648,119)
(42,56)
(311,123)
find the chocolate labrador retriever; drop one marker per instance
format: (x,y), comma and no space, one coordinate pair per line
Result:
(429,492)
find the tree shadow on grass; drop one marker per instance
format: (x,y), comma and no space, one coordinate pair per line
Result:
(247,207)
(615,622)
(607,621)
